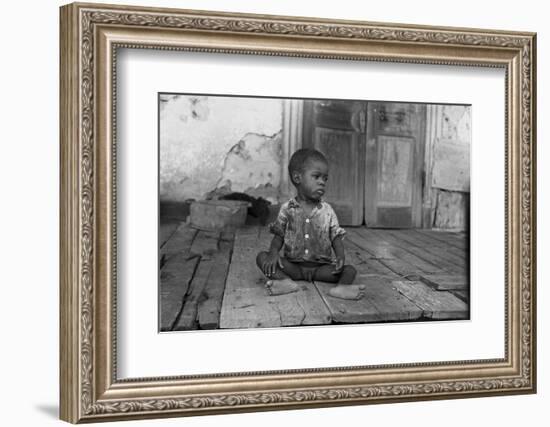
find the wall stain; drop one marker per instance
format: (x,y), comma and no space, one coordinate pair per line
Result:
(253,166)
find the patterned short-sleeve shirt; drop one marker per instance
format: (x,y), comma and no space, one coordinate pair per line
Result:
(307,237)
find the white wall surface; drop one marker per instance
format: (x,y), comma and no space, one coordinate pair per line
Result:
(193,149)
(29,174)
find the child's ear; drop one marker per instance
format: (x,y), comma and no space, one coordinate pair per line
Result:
(296,177)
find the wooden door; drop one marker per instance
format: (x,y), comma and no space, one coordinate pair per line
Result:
(337,129)
(394,163)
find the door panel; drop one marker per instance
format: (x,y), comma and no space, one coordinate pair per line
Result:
(394,161)
(375,159)
(336,128)
(395,157)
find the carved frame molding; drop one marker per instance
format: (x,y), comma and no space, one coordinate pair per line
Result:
(90,36)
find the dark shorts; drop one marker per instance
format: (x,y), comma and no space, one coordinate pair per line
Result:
(308,269)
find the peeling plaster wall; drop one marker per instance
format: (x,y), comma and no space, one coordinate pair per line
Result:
(449,167)
(207,142)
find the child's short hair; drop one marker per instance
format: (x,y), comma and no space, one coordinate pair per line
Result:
(299,159)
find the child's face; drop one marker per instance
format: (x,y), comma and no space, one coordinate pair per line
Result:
(313,180)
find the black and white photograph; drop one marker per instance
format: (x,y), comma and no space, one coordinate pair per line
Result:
(280,212)
(275,213)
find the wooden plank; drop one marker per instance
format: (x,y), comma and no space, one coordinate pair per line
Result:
(206,246)
(384,254)
(174,283)
(462,295)
(211,302)
(362,260)
(435,304)
(446,282)
(402,251)
(457,245)
(390,303)
(444,261)
(179,241)
(176,275)
(458,240)
(438,255)
(381,302)
(246,302)
(434,246)
(166,229)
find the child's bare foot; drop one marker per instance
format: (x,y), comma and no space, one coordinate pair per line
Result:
(281,287)
(354,292)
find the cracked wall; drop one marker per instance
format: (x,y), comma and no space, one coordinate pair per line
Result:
(253,166)
(208,142)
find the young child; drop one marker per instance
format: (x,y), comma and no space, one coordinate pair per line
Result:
(308,229)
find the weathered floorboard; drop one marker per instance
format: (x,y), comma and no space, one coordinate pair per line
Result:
(447,263)
(204,286)
(363,261)
(246,302)
(433,246)
(445,282)
(166,229)
(458,240)
(205,245)
(401,251)
(435,304)
(461,295)
(384,254)
(211,301)
(390,303)
(422,239)
(174,283)
(175,276)
(381,302)
(179,241)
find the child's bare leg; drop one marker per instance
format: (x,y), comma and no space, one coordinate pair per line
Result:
(345,278)
(326,273)
(282,280)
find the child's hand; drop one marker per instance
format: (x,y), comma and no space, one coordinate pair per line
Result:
(338,265)
(270,264)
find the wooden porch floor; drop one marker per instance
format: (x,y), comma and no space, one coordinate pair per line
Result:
(210,280)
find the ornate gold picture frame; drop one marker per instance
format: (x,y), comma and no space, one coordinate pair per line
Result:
(91,35)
